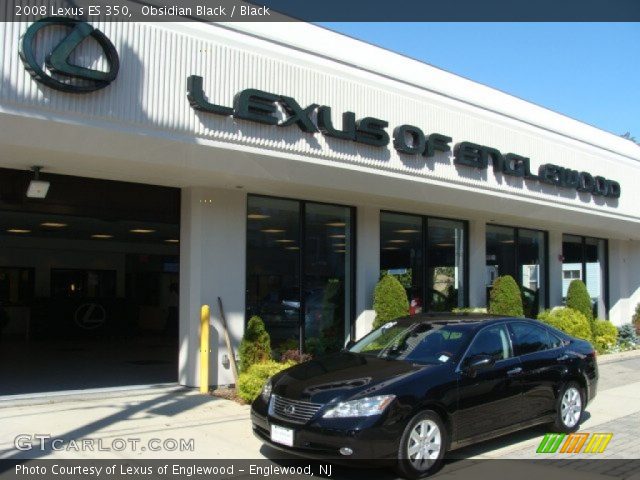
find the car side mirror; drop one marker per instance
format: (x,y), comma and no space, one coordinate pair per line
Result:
(478,363)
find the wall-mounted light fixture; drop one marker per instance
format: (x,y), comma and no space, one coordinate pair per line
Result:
(37,188)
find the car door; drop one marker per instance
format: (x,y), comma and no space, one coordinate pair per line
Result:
(542,359)
(490,399)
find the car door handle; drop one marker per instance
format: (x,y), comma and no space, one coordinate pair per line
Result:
(514,371)
(562,358)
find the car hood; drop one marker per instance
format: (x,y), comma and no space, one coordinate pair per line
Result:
(340,376)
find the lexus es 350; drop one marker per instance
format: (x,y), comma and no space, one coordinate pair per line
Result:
(427,384)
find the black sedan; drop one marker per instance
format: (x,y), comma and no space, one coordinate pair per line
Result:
(424,385)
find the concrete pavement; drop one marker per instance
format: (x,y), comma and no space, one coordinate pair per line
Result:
(179,423)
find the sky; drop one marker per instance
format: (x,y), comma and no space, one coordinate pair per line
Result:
(587,71)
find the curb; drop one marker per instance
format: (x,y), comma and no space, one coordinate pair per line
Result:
(617,357)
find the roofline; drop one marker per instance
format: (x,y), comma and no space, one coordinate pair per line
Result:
(306,38)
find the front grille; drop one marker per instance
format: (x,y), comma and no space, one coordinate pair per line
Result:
(295,411)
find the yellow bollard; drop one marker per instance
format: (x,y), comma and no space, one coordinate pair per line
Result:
(204,349)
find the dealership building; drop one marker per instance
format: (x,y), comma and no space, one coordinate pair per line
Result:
(282,169)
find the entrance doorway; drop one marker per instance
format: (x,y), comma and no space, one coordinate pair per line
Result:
(88,284)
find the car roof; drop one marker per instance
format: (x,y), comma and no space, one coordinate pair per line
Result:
(449,318)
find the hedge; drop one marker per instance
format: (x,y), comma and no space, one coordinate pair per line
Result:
(389,301)
(250,383)
(569,321)
(505,297)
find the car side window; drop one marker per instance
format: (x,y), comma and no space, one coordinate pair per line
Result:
(493,341)
(532,338)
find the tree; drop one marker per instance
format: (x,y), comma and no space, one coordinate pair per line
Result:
(389,301)
(579,299)
(255,346)
(628,136)
(505,298)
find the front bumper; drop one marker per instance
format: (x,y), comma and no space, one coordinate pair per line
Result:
(322,439)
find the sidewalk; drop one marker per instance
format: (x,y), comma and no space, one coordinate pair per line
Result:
(162,421)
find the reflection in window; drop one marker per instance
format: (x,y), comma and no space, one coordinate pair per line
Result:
(16,285)
(327,277)
(584,258)
(315,307)
(401,254)
(492,341)
(520,253)
(445,264)
(434,280)
(273,268)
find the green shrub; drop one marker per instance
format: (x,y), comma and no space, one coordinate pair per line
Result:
(505,297)
(636,318)
(578,298)
(627,335)
(250,383)
(389,301)
(255,346)
(605,335)
(569,321)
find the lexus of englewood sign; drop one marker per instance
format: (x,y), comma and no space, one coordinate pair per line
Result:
(261,107)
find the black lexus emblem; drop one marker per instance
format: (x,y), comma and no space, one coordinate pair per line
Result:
(62,74)
(289,409)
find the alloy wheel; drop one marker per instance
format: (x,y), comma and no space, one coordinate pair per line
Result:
(571,407)
(424,444)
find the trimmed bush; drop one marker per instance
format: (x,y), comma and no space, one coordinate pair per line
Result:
(578,298)
(569,321)
(605,335)
(505,297)
(389,301)
(250,383)
(255,346)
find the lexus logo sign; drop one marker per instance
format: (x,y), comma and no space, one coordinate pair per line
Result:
(61,72)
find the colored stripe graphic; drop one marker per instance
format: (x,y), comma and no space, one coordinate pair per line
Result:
(598,442)
(550,443)
(574,443)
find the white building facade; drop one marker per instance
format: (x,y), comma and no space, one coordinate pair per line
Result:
(309,163)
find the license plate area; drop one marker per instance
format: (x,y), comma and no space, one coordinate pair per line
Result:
(282,435)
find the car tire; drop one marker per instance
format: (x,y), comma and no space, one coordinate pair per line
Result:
(569,408)
(422,445)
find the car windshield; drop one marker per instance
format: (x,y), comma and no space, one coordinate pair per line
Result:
(424,342)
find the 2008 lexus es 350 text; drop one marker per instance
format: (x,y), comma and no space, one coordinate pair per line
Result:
(427,384)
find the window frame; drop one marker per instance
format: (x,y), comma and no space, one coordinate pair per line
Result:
(534,325)
(302,203)
(424,242)
(502,324)
(583,263)
(516,239)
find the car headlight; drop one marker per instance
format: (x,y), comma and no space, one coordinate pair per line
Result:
(363,407)
(266,390)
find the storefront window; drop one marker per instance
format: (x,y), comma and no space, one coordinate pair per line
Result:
(327,276)
(445,259)
(299,275)
(434,281)
(520,253)
(401,254)
(584,258)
